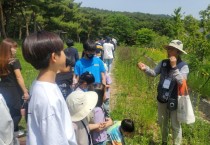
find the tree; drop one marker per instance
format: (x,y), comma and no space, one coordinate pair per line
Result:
(145,37)
(178,24)
(2,20)
(121,27)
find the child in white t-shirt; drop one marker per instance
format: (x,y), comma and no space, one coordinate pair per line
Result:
(49,121)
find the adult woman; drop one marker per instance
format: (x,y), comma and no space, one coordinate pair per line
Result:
(172,73)
(12,85)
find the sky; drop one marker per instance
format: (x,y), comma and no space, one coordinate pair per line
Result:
(189,7)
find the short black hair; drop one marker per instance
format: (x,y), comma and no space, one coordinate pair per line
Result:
(69,42)
(127,125)
(38,47)
(89,45)
(86,77)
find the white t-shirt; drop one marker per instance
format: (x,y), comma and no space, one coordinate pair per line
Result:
(6,124)
(49,120)
(108,50)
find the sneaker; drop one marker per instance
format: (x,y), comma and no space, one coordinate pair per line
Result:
(19,133)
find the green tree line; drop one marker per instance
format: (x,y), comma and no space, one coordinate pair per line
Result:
(19,18)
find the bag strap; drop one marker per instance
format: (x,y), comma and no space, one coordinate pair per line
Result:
(183,89)
(89,137)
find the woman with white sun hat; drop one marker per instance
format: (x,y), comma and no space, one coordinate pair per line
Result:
(173,71)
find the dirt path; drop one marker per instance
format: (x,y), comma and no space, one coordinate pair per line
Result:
(113,93)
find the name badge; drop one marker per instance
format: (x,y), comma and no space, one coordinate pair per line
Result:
(166,83)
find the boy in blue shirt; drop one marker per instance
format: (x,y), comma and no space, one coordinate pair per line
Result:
(90,63)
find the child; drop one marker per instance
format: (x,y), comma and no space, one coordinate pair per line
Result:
(80,104)
(90,63)
(71,52)
(85,80)
(99,136)
(118,130)
(49,121)
(64,78)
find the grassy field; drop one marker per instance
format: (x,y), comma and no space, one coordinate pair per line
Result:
(136,99)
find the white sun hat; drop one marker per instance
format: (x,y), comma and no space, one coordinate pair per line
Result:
(176,44)
(81,103)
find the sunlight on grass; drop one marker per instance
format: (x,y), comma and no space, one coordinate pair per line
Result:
(136,99)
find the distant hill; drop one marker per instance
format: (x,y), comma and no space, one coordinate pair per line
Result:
(135,15)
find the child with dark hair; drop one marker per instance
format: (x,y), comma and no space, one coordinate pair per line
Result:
(49,121)
(84,81)
(90,63)
(99,49)
(64,78)
(99,136)
(71,52)
(119,130)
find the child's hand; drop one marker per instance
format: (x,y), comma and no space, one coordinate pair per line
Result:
(109,122)
(102,126)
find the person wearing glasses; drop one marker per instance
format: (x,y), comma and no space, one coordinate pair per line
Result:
(173,71)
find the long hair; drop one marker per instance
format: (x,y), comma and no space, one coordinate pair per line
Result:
(99,88)
(5,55)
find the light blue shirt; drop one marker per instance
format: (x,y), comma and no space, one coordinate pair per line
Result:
(114,133)
(95,66)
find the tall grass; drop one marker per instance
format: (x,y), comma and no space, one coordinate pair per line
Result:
(136,99)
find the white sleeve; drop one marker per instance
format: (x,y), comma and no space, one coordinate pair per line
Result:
(6,126)
(52,131)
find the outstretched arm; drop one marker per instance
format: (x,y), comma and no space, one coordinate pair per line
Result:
(148,70)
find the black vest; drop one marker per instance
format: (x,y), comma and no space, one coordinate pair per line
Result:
(172,92)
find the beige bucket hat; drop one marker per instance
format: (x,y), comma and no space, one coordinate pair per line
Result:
(176,44)
(81,103)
